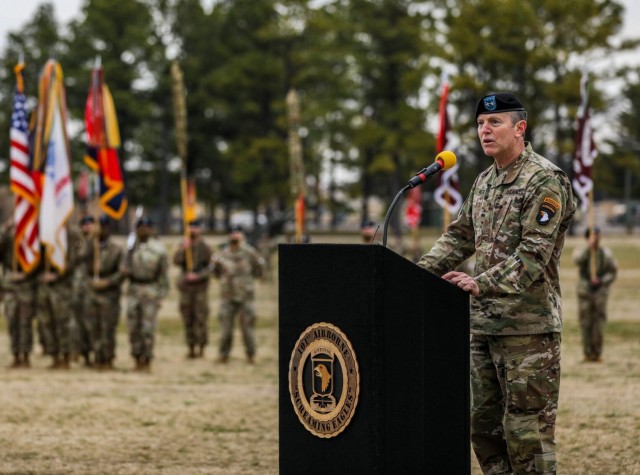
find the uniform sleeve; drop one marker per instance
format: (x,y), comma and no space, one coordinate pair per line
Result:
(548,211)
(580,256)
(205,258)
(116,278)
(455,246)
(610,270)
(257,264)
(179,256)
(163,277)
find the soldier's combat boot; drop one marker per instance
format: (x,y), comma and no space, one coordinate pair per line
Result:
(201,351)
(192,352)
(251,359)
(17,362)
(55,362)
(65,362)
(87,359)
(139,364)
(25,361)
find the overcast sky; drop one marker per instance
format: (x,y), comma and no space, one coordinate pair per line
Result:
(20,11)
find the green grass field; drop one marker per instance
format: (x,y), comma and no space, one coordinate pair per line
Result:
(195,416)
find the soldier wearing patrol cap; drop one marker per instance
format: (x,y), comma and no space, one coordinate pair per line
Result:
(20,290)
(514,221)
(82,324)
(593,292)
(236,267)
(104,266)
(146,269)
(368,232)
(193,285)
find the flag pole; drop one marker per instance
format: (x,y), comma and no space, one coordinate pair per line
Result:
(18,68)
(295,162)
(180,118)
(94,173)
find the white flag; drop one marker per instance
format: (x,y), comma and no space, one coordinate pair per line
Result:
(57,195)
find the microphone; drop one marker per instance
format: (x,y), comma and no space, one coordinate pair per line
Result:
(444,160)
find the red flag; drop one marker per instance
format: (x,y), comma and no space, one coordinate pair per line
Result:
(585,148)
(447,192)
(413,212)
(23,185)
(103,140)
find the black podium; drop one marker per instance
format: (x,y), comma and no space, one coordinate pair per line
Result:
(373,362)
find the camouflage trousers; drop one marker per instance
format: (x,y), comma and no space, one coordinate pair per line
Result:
(103,311)
(194,308)
(55,314)
(142,312)
(20,311)
(228,310)
(592,313)
(515,383)
(81,325)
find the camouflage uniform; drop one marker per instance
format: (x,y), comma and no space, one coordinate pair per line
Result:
(194,298)
(236,268)
(514,221)
(19,302)
(55,297)
(146,268)
(103,300)
(82,324)
(592,300)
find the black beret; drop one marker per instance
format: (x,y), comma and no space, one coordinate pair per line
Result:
(144,221)
(195,222)
(368,224)
(87,219)
(236,228)
(103,220)
(498,102)
(587,232)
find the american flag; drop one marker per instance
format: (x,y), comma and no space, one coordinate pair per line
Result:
(585,148)
(26,241)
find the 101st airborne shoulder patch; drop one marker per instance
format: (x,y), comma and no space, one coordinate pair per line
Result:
(324,380)
(548,208)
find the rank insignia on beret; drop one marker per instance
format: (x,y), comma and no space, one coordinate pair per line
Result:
(490,103)
(548,208)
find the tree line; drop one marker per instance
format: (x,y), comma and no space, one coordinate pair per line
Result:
(367,73)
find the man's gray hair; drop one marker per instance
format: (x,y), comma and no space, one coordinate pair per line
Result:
(517,116)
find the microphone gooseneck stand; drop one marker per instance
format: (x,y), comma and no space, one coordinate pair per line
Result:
(390,212)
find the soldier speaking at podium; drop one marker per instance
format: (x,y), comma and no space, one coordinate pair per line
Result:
(514,221)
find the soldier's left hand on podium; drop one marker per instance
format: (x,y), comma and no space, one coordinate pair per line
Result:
(463,281)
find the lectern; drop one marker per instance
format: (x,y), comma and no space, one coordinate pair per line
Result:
(373,364)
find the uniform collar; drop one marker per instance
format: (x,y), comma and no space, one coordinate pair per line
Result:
(512,171)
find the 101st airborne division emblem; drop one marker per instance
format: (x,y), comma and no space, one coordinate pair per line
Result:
(324,381)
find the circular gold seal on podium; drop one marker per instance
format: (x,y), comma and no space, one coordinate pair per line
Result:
(324,380)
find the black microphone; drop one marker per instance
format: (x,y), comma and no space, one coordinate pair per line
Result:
(444,161)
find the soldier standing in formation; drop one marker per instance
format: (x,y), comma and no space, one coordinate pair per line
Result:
(193,286)
(104,269)
(82,323)
(19,300)
(368,232)
(146,269)
(237,266)
(55,310)
(514,220)
(593,293)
